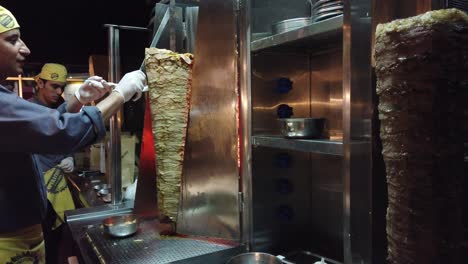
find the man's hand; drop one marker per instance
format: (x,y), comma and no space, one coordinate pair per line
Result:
(92,89)
(131,85)
(67,164)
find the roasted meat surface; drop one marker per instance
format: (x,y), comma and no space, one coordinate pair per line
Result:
(169,83)
(422,76)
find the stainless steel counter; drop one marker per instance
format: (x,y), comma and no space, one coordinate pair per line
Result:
(146,246)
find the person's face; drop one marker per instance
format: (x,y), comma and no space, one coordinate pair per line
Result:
(50,91)
(13,53)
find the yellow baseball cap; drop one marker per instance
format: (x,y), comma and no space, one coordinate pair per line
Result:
(7,20)
(53,72)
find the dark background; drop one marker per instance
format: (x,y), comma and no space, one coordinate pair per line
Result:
(68,32)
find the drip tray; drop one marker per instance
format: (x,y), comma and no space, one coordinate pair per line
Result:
(147,246)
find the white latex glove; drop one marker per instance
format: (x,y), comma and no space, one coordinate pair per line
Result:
(67,164)
(92,89)
(322,261)
(131,85)
(131,191)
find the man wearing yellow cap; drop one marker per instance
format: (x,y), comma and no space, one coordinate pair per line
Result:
(50,84)
(27,128)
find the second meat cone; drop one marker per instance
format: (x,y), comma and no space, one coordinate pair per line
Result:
(421,82)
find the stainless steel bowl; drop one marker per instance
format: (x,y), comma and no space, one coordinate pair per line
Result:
(121,225)
(103,192)
(255,258)
(302,127)
(100,186)
(96,181)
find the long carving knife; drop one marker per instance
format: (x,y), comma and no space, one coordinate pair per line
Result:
(157,36)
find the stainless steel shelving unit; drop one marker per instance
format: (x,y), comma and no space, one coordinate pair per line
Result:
(301,36)
(329,65)
(317,146)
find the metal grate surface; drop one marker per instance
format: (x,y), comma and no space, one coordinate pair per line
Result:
(147,246)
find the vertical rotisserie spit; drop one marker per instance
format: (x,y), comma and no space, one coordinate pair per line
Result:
(169,83)
(422,75)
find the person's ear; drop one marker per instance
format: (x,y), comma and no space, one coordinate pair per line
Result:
(40,84)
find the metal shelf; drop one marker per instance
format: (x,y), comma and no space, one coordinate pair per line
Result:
(302,36)
(319,146)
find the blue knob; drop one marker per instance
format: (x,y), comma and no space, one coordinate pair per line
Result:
(282,160)
(284,186)
(283,85)
(284,111)
(285,213)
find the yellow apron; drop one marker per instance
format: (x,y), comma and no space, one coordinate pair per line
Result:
(24,246)
(58,194)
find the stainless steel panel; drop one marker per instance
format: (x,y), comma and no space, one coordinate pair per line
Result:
(191,24)
(327,90)
(175,24)
(326,195)
(317,89)
(266,69)
(267,12)
(210,185)
(245,121)
(303,37)
(311,146)
(357,111)
(315,203)
(281,219)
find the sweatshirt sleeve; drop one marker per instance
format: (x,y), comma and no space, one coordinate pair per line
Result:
(28,127)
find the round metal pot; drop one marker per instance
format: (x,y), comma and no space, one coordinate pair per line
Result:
(255,258)
(121,225)
(302,127)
